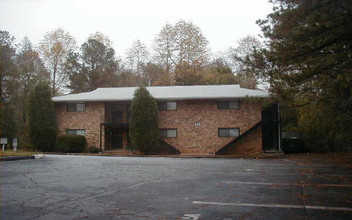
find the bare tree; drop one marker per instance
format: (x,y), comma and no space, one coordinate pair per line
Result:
(53,49)
(137,57)
(31,70)
(236,58)
(181,44)
(245,46)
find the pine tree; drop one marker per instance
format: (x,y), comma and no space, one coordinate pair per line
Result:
(307,61)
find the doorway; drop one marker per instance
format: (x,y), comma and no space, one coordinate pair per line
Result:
(116,139)
(271,129)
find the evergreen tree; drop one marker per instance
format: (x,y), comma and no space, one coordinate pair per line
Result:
(7,83)
(95,66)
(307,61)
(8,123)
(144,130)
(42,121)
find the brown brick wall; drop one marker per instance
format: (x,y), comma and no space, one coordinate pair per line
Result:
(203,139)
(89,120)
(192,139)
(249,144)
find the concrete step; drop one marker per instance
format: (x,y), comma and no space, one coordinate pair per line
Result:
(117,152)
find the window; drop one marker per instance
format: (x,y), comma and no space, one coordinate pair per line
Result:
(117,113)
(76,107)
(76,132)
(167,106)
(234,104)
(168,133)
(229,132)
(128,112)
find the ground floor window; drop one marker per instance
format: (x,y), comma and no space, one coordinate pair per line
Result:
(228,132)
(76,132)
(168,133)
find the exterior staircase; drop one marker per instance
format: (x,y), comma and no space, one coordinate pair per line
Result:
(117,152)
(246,144)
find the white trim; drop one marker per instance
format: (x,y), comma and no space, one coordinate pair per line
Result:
(167,93)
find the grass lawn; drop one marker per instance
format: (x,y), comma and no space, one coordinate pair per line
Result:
(10,152)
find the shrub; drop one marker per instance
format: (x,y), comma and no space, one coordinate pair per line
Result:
(93,150)
(42,120)
(144,129)
(71,143)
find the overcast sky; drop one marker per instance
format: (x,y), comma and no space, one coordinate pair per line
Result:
(222,22)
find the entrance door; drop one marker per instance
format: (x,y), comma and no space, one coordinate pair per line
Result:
(271,129)
(116,139)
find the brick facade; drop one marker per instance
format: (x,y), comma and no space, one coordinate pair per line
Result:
(89,120)
(196,121)
(248,144)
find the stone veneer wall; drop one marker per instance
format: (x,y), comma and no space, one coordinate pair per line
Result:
(197,123)
(89,121)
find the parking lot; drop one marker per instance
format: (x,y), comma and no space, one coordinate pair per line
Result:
(76,187)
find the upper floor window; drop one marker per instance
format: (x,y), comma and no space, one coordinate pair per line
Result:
(228,132)
(168,133)
(76,107)
(76,132)
(233,104)
(117,113)
(128,112)
(167,106)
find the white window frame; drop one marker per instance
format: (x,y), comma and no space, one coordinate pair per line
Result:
(169,133)
(76,132)
(76,108)
(231,132)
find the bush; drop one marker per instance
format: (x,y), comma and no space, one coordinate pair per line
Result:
(144,129)
(42,119)
(71,143)
(93,150)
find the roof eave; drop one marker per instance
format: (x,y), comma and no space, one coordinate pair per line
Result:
(168,98)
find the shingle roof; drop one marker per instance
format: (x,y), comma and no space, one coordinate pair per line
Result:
(165,93)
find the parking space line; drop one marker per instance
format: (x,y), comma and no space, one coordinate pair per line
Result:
(289,184)
(276,206)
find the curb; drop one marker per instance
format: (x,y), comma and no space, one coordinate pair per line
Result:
(12,158)
(17,158)
(259,156)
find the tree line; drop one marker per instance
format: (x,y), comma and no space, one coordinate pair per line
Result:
(307,61)
(180,55)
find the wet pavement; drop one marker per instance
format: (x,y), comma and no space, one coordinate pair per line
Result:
(76,187)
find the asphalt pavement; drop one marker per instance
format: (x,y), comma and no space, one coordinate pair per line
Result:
(92,187)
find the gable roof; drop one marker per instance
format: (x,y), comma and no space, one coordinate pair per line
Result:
(165,93)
